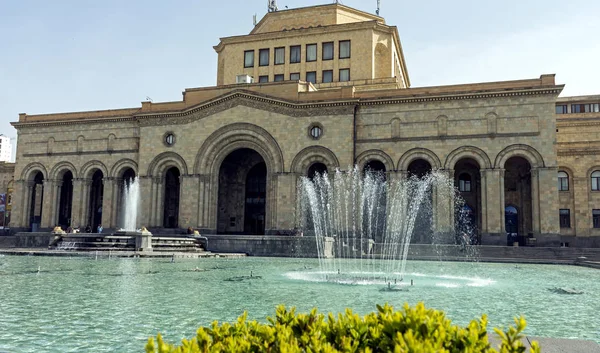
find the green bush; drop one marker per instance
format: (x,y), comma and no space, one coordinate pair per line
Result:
(417,330)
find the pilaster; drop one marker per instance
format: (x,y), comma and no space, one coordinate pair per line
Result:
(188,201)
(108,202)
(47,204)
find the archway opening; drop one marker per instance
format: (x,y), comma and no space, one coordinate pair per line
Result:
(467,180)
(517,193)
(316,168)
(242,193)
(95,205)
(128,176)
(172,192)
(65,204)
(36,201)
(419,168)
(124,179)
(422,233)
(376,167)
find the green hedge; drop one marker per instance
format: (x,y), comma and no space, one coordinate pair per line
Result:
(418,330)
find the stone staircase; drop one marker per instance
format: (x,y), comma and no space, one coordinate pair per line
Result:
(101,242)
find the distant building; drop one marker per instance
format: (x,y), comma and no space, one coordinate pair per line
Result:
(310,90)
(7,171)
(5,148)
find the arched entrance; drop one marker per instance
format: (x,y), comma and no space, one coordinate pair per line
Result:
(65,204)
(242,193)
(172,192)
(517,194)
(422,232)
(36,201)
(96,198)
(467,180)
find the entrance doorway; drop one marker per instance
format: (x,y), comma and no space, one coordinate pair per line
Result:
(511,224)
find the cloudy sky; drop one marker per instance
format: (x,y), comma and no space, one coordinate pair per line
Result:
(61,56)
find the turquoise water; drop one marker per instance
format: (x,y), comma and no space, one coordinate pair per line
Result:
(114,305)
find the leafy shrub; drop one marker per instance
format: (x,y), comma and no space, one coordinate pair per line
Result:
(417,330)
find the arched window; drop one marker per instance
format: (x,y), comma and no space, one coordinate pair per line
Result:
(464,183)
(596,180)
(563,181)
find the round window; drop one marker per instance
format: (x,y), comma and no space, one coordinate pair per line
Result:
(169,139)
(316,132)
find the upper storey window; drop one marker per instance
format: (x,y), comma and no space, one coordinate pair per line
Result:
(563,181)
(585,108)
(311,52)
(561,109)
(344,49)
(279,56)
(249,58)
(295,51)
(263,59)
(328,51)
(596,180)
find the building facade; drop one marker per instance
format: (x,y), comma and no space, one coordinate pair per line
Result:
(5,148)
(315,89)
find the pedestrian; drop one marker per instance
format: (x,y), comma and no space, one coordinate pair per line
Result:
(100,228)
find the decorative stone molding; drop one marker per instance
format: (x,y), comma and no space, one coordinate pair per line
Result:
(30,170)
(90,167)
(419,153)
(519,150)
(396,127)
(243,98)
(442,125)
(166,160)
(492,123)
(472,152)
(243,135)
(313,154)
(376,155)
(58,170)
(118,168)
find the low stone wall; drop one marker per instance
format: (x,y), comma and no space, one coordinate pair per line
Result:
(268,245)
(26,240)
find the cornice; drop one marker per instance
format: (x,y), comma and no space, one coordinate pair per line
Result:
(448,137)
(234,99)
(19,125)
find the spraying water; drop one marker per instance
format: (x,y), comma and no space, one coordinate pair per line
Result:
(131,202)
(372,220)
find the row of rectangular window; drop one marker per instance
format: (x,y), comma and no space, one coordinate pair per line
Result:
(578,108)
(311,76)
(565,218)
(296,54)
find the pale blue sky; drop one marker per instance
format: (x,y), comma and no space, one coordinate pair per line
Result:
(60,56)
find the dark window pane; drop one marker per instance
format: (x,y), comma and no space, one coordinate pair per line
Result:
(311,52)
(327,76)
(278,78)
(311,77)
(249,58)
(344,49)
(263,79)
(295,54)
(263,57)
(596,218)
(328,51)
(561,109)
(295,76)
(344,75)
(279,56)
(565,218)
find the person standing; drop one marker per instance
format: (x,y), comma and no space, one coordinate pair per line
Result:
(100,229)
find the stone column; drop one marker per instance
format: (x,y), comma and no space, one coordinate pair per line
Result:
(108,201)
(188,201)
(583,205)
(18,201)
(85,204)
(56,202)
(202,202)
(117,202)
(287,201)
(547,205)
(271,220)
(77,203)
(535,202)
(159,202)
(493,206)
(29,185)
(47,204)
(443,208)
(144,218)
(483,201)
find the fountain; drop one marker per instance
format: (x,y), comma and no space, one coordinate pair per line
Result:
(129,213)
(372,221)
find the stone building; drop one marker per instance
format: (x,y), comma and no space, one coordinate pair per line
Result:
(315,89)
